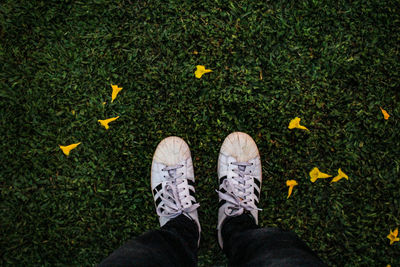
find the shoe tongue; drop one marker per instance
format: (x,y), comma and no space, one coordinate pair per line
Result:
(172,173)
(242,167)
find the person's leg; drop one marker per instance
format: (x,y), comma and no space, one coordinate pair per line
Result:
(172,185)
(245,244)
(240,180)
(175,244)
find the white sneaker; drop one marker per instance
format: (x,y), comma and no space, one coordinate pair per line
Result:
(239,174)
(172,181)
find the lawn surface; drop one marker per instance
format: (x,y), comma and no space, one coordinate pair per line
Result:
(332,63)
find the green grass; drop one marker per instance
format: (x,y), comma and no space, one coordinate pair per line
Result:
(332,63)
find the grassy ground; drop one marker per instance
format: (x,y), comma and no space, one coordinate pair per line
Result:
(332,63)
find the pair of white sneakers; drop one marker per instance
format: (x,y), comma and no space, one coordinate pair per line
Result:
(239,174)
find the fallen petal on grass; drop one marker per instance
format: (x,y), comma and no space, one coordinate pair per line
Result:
(115,91)
(385,114)
(295,123)
(393,236)
(200,70)
(107,121)
(291,184)
(340,176)
(317,174)
(67,149)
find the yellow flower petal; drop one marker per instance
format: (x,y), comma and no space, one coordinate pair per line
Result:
(385,114)
(291,184)
(107,121)
(295,123)
(200,70)
(339,176)
(393,236)
(316,174)
(67,149)
(115,91)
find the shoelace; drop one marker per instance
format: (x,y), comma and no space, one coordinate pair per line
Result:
(172,196)
(236,193)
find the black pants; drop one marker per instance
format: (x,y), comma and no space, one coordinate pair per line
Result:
(245,244)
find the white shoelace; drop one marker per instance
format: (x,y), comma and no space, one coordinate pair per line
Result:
(173,196)
(236,193)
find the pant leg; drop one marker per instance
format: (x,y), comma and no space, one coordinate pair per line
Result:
(175,244)
(246,244)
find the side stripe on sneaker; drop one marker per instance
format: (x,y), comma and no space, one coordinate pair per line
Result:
(158,201)
(157,189)
(190,182)
(257,193)
(192,193)
(221,203)
(222,179)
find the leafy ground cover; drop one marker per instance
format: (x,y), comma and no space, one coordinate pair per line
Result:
(332,63)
